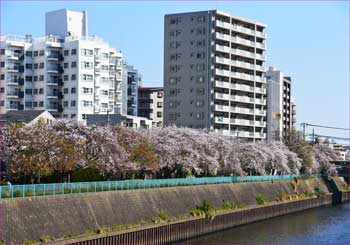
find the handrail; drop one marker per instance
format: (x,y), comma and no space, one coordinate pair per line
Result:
(55,189)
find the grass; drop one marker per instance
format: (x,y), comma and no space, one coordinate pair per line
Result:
(261,199)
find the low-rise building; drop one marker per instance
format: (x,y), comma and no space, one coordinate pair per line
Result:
(28,117)
(150,104)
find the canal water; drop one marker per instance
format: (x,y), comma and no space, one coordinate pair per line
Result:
(324,225)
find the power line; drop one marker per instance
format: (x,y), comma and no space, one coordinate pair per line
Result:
(322,126)
(331,137)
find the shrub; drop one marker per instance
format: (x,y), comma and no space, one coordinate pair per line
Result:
(261,199)
(46,238)
(284,196)
(228,205)
(205,210)
(162,217)
(239,205)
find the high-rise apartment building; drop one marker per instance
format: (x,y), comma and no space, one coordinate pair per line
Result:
(70,75)
(150,104)
(280,109)
(134,80)
(214,66)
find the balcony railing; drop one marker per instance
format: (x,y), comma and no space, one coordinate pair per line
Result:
(15,81)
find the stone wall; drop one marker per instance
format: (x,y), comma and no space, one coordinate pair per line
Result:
(25,219)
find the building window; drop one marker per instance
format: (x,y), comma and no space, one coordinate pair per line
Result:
(28,104)
(159,114)
(2,51)
(200,79)
(41,53)
(2,103)
(29,91)
(73,103)
(65,65)
(87,52)
(2,64)
(35,53)
(200,115)
(29,53)
(87,103)
(35,91)
(29,78)
(36,66)
(74,64)
(86,65)
(87,90)
(65,90)
(2,90)
(65,103)
(73,77)
(160,104)
(74,51)
(73,90)
(35,104)
(35,78)
(86,77)
(72,116)
(41,103)
(65,78)
(66,52)
(41,91)
(41,66)
(41,78)
(29,66)
(2,76)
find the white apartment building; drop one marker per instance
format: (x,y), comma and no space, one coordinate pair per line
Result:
(280,109)
(214,67)
(65,72)
(150,104)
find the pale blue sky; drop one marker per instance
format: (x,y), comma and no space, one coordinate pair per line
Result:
(309,41)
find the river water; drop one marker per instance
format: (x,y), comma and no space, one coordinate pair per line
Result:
(324,225)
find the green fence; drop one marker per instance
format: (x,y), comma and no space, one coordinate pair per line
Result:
(38,190)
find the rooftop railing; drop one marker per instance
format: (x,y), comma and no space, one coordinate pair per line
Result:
(55,189)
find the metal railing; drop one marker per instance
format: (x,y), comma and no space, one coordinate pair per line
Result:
(55,189)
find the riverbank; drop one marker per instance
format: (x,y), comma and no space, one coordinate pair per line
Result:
(62,218)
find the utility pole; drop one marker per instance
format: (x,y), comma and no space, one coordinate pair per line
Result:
(303,125)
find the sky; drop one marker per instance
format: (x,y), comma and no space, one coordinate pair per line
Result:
(308,41)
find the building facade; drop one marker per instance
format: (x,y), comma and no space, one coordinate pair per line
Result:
(150,104)
(214,66)
(134,80)
(280,117)
(70,75)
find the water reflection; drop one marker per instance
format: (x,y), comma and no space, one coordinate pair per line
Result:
(325,225)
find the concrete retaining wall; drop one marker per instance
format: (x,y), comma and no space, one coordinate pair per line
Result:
(32,218)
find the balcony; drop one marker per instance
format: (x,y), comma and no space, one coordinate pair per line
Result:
(260,112)
(242,64)
(221,96)
(242,122)
(222,108)
(241,110)
(17,69)
(55,69)
(241,75)
(222,36)
(260,57)
(260,45)
(260,101)
(244,99)
(55,82)
(15,107)
(55,57)
(222,72)
(222,120)
(13,56)
(241,87)
(222,48)
(244,30)
(261,34)
(15,94)
(260,68)
(15,81)
(240,40)
(242,53)
(260,79)
(260,90)
(221,84)
(222,24)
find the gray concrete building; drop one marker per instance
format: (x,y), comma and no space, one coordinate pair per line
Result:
(214,66)
(280,116)
(150,104)
(134,80)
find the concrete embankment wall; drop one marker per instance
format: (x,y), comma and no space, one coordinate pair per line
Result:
(32,218)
